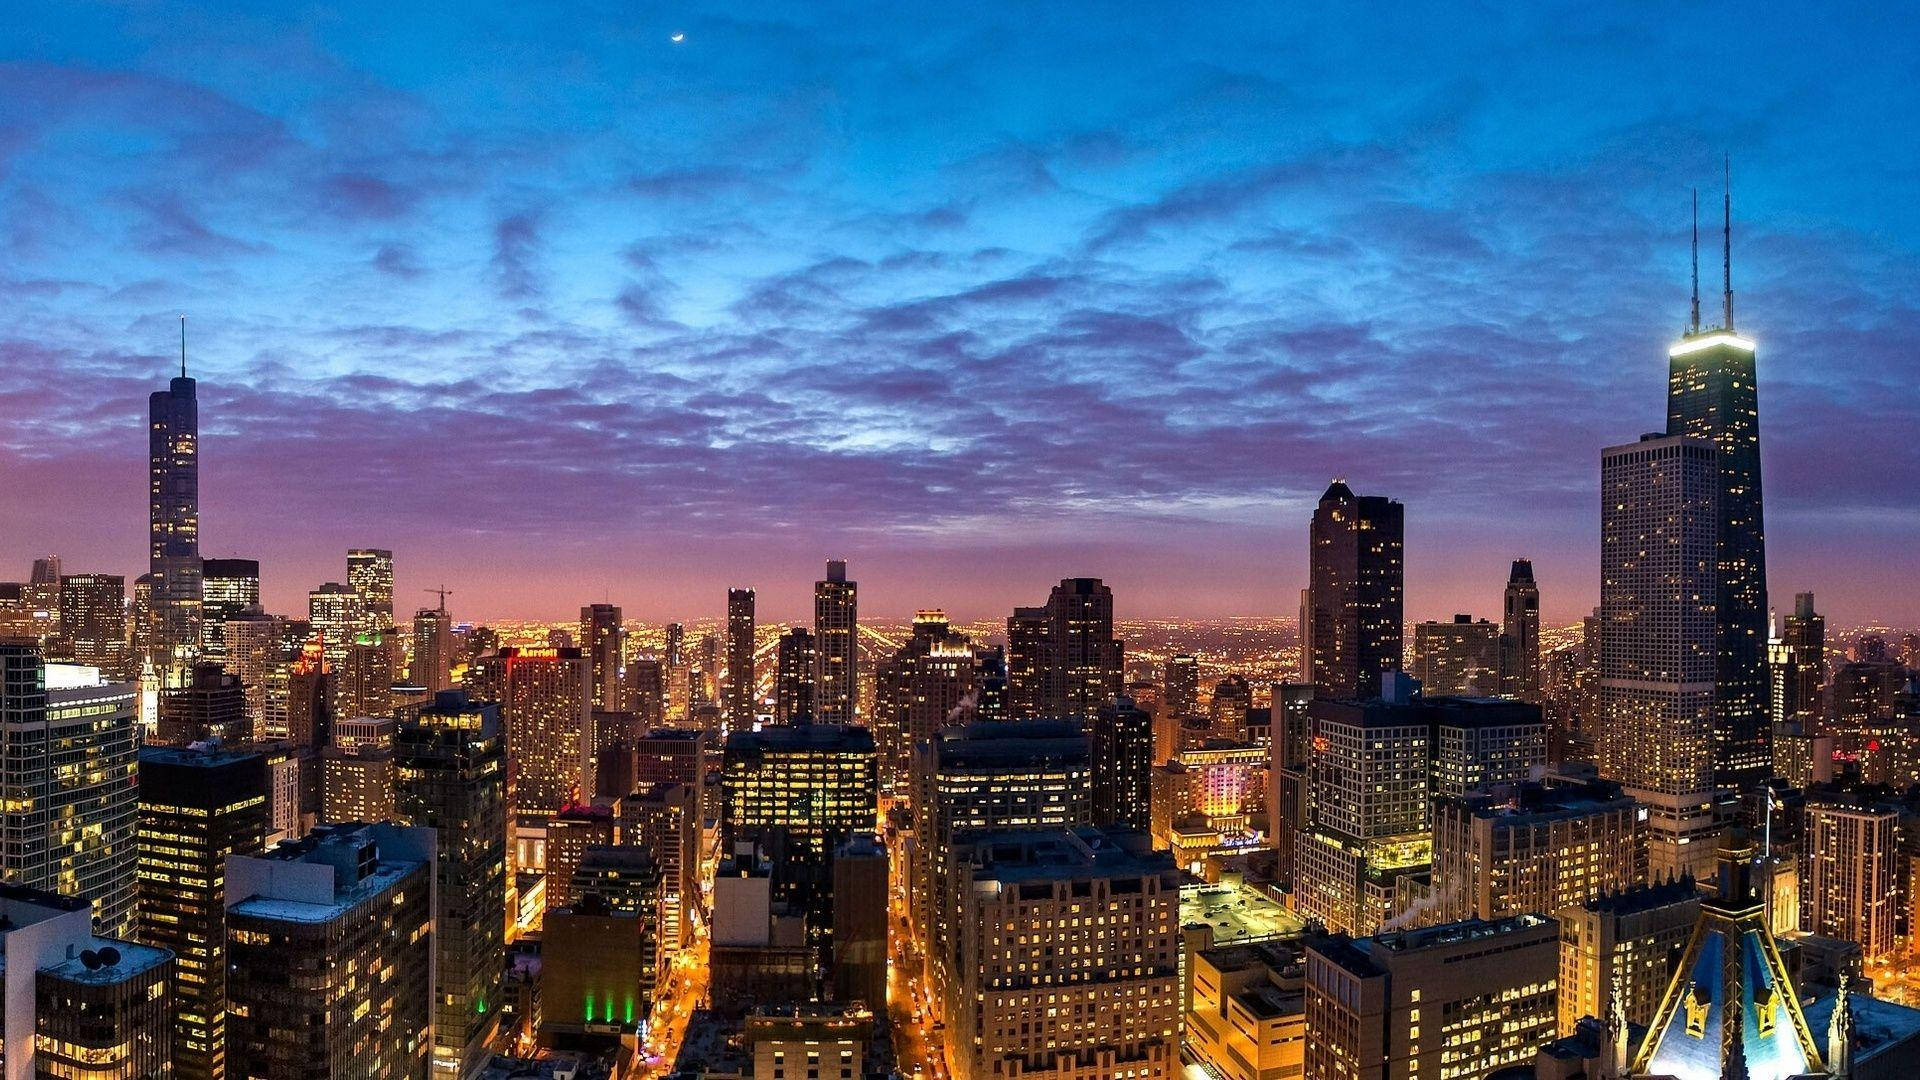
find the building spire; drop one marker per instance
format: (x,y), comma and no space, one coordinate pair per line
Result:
(183,346)
(1693,320)
(1726,240)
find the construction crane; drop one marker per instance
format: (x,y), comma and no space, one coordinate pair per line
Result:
(443,592)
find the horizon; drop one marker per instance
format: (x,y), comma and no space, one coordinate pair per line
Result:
(978,300)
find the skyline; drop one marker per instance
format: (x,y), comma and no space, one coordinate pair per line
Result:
(662,358)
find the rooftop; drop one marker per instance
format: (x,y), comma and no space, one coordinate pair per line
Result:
(1237,913)
(133,960)
(1010,855)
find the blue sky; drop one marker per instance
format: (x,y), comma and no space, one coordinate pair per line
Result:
(978,296)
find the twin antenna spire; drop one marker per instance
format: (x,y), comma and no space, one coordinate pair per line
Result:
(1726,254)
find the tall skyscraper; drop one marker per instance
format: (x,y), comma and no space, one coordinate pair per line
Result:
(1520,635)
(1357,583)
(739,697)
(338,614)
(432,664)
(919,690)
(370,573)
(1713,395)
(229,587)
(1658,578)
(257,654)
(1026,640)
(793,675)
(1063,660)
(1849,867)
(93,620)
(197,807)
(603,639)
(1122,760)
(451,776)
(67,766)
(545,703)
(1182,696)
(1798,658)
(836,643)
(173,504)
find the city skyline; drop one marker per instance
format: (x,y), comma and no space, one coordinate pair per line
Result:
(836,321)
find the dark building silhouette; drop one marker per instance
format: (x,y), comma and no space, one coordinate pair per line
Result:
(738,693)
(1122,765)
(1063,660)
(1355,592)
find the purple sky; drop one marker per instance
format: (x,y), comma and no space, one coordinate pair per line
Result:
(977,296)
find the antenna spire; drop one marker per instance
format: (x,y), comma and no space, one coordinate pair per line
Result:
(1726,241)
(1693,321)
(183,346)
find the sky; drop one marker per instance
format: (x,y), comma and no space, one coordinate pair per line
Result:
(633,302)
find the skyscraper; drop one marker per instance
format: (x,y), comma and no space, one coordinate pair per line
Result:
(197,807)
(545,704)
(1520,635)
(1458,657)
(93,620)
(370,573)
(739,697)
(229,587)
(793,675)
(603,637)
(1122,765)
(432,663)
(1182,696)
(67,764)
(257,654)
(1798,659)
(1658,578)
(1357,583)
(1712,395)
(451,776)
(338,613)
(919,690)
(836,634)
(1063,660)
(173,504)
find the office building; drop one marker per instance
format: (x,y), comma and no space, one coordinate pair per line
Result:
(793,675)
(1631,940)
(1526,847)
(1246,1011)
(1797,662)
(1063,660)
(229,587)
(1657,641)
(664,820)
(647,691)
(1356,590)
(603,642)
(432,663)
(93,622)
(1713,396)
(569,834)
(331,956)
(67,780)
(1849,870)
(197,808)
(362,683)
(546,704)
(801,792)
(256,654)
(1182,678)
(1478,742)
(337,614)
(836,646)
(1292,745)
(1458,657)
(309,699)
(739,702)
(920,690)
(357,772)
(596,975)
(173,503)
(1520,635)
(370,573)
(451,776)
(1067,957)
(79,1005)
(1462,999)
(210,706)
(1121,741)
(860,920)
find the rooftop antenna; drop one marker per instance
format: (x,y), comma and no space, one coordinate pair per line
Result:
(1693,325)
(1726,240)
(183,346)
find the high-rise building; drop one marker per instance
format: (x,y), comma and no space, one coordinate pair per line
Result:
(80,1005)
(569,834)
(836,646)
(793,675)
(738,700)
(256,654)
(1121,738)
(1063,660)
(1520,635)
(664,819)
(1849,864)
(1095,914)
(357,771)
(546,704)
(173,504)
(1713,395)
(1657,640)
(67,767)
(860,920)
(1357,586)
(197,807)
(1628,939)
(1463,999)
(228,588)
(1478,743)
(42,596)
(370,573)
(1458,657)
(330,955)
(432,663)
(603,641)
(1798,662)
(596,974)
(362,683)
(1182,697)
(337,614)
(211,705)
(1525,847)
(647,691)
(93,621)
(921,689)
(801,791)
(1292,748)
(451,777)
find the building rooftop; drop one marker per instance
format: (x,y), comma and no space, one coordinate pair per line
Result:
(1237,913)
(1010,855)
(384,877)
(201,755)
(1540,801)
(834,738)
(1645,898)
(133,959)
(1880,1028)
(1454,933)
